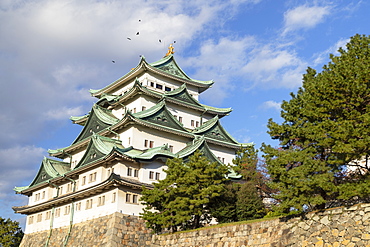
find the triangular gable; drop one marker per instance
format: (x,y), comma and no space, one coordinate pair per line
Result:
(197,144)
(213,129)
(169,65)
(99,119)
(50,169)
(160,115)
(98,148)
(183,95)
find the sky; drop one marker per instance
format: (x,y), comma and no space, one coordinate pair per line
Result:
(53,51)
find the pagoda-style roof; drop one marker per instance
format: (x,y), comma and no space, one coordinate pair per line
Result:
(179,96)
(112,181)
(150,154)
(98,148)
(166,67)
(98,120)
(49,169)
(213,130)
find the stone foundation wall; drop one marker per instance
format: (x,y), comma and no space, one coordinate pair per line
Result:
(330,228)
(109,231)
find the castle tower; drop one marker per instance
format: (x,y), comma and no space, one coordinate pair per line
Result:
(139,121)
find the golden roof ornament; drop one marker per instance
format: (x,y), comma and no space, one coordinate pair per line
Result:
(170,50)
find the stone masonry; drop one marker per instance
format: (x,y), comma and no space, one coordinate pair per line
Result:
(344,226)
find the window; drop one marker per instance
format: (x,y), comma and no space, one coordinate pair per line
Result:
(101,200)
(128,197)
(151,175)
(167,89)
(136,173)
(114,197)
(69,187)
(180,119)
(129,140)
(143,108)
(78,206)
(151,144)
(129,172)
(67,209)
(60,190)
(146,143)
(30,220)
(89,203)
(57,212)
(47,216)
(152,84)
(171,148)
(39,217)
(192,123)
(83,182)
(43,195)
(157,174)
(92,177)
(134,110)
(197,124)
(134,199)
(159,86)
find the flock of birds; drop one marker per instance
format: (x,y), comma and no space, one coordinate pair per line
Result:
(138,33)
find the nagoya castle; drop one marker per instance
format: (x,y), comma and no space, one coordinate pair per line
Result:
(149,115)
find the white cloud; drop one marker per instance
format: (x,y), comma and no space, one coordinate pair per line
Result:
(323,57)
(304,17)
(270,104)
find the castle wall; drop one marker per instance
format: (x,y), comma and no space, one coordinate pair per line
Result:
(333,227)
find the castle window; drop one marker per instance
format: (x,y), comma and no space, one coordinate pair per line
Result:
(129,172)
(69,187)
(114,197)
(151,144)
(39,217)
(171,148)
(143,108)
(159,86)
(101,200)
(197,124)
(60,190)
(78,206)
(128,197)
(43,195)
(192,123)
(47,216)
(134,110)
(67,209)
(136,173)
(167,89)
(152,84)
(30,220)
(57,212)
(129,140)
(134,199)
(151,175)
(89,203)
(157,174)
(146,143)
(180,119)
(92,177)
(83,182)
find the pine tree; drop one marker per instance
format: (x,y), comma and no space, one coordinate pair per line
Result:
(10,233)
(182,199)
(324,134)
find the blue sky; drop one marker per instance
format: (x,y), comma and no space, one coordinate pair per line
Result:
(52,52)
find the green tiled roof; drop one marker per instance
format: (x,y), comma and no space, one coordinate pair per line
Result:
(49,169)
(213,129)
(98,148)
(151,153)
(165,65)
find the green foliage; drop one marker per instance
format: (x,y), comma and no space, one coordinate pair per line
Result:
(324,132)
(10,233)
(242,200)
(181,201)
